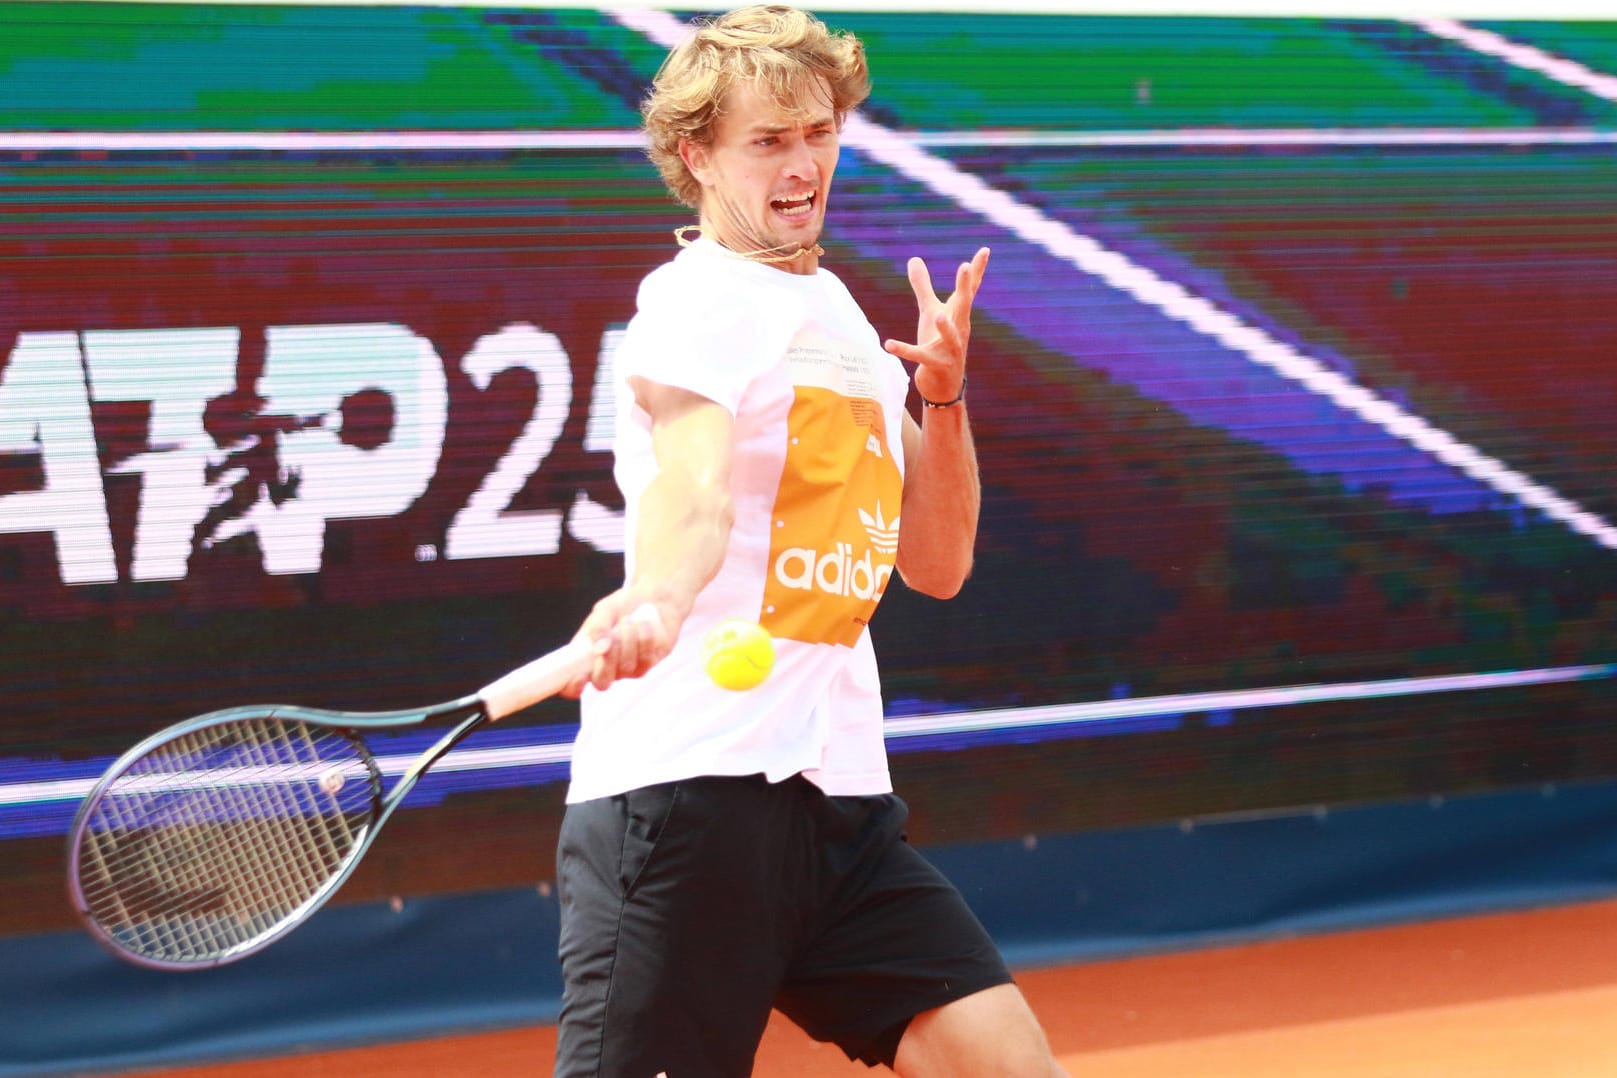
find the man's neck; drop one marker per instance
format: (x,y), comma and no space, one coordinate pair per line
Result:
(805,261)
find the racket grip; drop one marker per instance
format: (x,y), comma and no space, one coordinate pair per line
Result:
(547,675)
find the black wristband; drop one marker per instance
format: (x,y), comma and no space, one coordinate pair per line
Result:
(947,404)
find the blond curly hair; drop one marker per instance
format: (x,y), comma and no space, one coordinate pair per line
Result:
(782,49)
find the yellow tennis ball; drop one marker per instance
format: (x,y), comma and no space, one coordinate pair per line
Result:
(737,654)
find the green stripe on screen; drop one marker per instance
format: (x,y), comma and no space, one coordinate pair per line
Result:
(153,67)
(1120,73)
(209,67)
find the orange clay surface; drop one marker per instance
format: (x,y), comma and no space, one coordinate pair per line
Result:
(1524,995)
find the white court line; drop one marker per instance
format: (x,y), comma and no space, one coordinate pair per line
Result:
(1033,227)
(1240,138)
(393,765)
(1286,9)
(632,139)
(32,141)
(1086,254)
(996,719)
(1566,72)
(1231,700)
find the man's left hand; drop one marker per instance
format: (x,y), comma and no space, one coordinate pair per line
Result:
(943,330)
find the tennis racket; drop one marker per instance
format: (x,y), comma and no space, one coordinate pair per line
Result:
(217,836)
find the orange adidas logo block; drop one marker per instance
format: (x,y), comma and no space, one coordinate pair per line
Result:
(836,511)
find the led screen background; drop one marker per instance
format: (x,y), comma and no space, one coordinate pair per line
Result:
(1292,387)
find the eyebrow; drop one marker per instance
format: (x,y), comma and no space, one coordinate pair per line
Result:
(767,127)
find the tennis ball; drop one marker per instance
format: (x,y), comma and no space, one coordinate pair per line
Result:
(737,654)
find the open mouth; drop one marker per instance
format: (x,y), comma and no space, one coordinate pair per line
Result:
(797,205)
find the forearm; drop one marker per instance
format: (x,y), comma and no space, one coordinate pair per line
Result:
(942,499)
(682,535)
(682,531)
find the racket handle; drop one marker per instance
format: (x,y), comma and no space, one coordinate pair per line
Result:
(547,675)
(539,680)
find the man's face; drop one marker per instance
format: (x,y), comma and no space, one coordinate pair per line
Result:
(767,173)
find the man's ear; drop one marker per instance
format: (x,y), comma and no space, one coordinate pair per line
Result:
(698,158)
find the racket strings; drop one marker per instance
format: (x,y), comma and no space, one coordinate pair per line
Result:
(301,866)
(216,838)
(223,888)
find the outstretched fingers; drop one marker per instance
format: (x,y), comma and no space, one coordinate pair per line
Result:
(969,277)
(952,334)
(943,328)
(921,284)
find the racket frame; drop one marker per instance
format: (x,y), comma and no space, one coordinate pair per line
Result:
(523,687)
(470,712)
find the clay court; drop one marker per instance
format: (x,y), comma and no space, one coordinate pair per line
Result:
(1500,996)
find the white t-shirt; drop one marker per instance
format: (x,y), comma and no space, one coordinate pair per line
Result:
(817,478)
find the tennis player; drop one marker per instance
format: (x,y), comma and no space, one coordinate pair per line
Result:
(725,852)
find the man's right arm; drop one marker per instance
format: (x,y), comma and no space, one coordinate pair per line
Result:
(682,533)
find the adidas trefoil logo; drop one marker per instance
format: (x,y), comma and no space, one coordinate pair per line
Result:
(883,535)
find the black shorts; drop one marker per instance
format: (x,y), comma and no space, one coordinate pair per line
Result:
(691,908)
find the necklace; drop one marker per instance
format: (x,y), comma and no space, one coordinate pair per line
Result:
(761,255)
